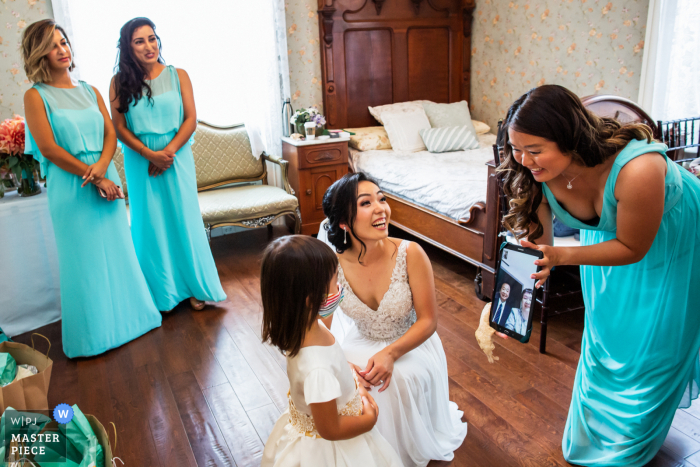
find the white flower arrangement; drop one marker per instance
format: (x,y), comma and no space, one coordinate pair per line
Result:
(311,114)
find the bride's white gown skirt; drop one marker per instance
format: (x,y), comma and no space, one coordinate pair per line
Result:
(415,413)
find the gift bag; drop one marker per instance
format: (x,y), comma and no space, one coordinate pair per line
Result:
(85,440)
(30,393)
(103,439)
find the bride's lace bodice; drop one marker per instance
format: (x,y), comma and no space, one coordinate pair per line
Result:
(395,313)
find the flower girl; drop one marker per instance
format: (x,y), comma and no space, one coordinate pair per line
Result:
(330,420)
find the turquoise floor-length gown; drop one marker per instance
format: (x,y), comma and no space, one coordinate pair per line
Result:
(166,223)
(105,301)
(639,353)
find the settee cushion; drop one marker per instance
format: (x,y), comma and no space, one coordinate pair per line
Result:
(223,154)
(236,203)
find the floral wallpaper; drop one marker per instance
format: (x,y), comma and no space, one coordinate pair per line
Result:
(15,15)
(589,46)
(305,79)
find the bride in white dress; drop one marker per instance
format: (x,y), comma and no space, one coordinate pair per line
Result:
(387,326)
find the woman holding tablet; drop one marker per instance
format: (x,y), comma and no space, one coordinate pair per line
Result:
(640,256)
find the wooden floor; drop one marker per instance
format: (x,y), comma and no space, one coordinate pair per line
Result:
(203,391)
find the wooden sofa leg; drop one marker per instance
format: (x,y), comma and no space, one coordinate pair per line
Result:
(544,317)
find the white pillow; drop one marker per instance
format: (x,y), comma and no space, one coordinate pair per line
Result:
(446,139)
(378,111)
(480,127)
(404,129)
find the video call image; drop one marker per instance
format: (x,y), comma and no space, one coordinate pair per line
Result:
(514,291)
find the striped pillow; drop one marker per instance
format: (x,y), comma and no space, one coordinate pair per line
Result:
(451,138)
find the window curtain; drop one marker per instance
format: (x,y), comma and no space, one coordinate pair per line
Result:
(235,53)
(669,87)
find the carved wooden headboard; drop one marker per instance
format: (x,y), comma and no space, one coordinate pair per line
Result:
(376,52)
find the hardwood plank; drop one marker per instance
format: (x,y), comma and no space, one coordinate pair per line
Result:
(510,373)
(239,432)
(203,433)
(681,444)
(517,415)
(694,409)
(166,427)
(687,424)
(241,376)
(478,450)
(135,445)
(93,387)
(144,350)
(666,458)
(543,406)
(559,361)
(264,419)
(200,358)
(521,450)
(171,348)
(694,460)
(268,372)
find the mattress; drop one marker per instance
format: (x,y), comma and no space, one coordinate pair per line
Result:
(449,183)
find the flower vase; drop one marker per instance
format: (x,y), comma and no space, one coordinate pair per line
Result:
(300,129)
(28,185)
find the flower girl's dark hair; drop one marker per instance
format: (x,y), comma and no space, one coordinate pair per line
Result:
(294,278)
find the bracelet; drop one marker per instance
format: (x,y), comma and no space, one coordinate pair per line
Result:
(142,146)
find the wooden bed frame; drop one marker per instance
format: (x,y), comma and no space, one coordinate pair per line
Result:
(376,52)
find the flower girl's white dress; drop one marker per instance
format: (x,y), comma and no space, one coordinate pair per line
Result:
(320,374)
(415,413)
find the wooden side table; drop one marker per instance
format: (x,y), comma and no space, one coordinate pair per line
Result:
(313,167)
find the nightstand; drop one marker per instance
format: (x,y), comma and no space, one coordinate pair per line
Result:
(313,167)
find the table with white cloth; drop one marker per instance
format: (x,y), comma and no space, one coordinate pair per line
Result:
(29,279)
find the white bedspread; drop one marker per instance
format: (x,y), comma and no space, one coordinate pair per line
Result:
(449,183)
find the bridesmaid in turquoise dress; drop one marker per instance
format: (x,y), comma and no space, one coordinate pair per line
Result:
(640,267)
(154,113)
(105,301)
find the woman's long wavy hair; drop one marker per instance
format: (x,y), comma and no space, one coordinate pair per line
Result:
(340,207)
(556,114)
(130,77)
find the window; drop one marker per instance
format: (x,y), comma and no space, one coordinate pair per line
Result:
(226,47)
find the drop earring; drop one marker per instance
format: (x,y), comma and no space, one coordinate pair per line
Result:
(345,237)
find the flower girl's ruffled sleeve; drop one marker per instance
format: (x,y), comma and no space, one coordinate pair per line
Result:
(321,385)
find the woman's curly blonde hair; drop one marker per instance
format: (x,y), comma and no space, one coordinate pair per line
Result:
(37,42)
(556,114)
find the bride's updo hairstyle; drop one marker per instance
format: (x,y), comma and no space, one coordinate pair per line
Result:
(556,114)
(340,206)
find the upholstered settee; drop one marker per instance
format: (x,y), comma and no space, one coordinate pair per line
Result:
(232,183)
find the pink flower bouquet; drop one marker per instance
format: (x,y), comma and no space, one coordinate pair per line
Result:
(13,158)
